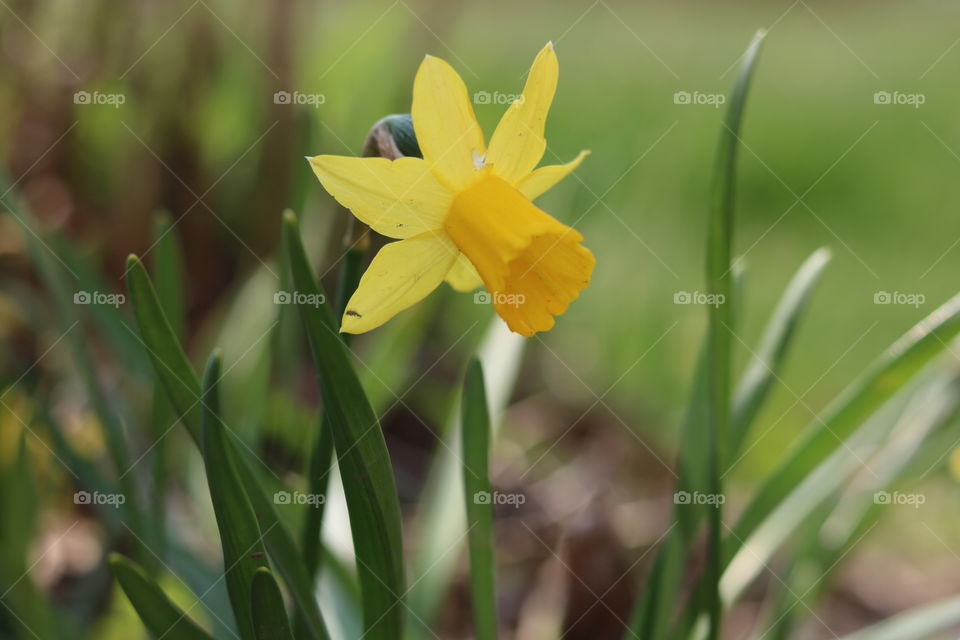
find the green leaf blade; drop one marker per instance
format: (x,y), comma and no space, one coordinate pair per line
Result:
(240,537)
(364,461)
(269,615)
(159,615)
(479,505)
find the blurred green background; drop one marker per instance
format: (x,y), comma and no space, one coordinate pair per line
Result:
(200,135)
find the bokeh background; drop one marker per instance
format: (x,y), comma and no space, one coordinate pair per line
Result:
(198,133)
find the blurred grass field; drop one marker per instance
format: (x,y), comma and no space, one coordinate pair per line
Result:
(823,164)
(200,135)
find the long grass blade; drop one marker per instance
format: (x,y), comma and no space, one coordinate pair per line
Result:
(720,325)
(159,615)
(240,537)
(479,505)
(269,616)
(767,362)
(183,388)
(856,404)
(917,624)
(362,454)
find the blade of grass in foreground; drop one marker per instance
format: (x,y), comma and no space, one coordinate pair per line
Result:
(240,537)
(478,499)
(654,610)
(183,388)
(168,270)
(159,615)
(857,403)
(269,616)
(720,327)
(366,470)
(764,367)
(351,268)
(916,624)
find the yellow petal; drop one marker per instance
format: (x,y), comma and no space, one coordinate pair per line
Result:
(532,265)
(518,143)
(463,275)
(401,274)
(544,178)
(446,127)
(399,198)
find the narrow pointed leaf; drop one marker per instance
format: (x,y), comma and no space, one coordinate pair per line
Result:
(269,615)
(240,537)
(362,452)
(183,388)
(159,615)
(916,624)
(766,364)
(479,505)
(857,403)
(720,326)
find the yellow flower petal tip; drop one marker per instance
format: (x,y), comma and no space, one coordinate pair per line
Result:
(463,214)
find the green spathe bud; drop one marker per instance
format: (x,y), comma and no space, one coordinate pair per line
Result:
(392,137)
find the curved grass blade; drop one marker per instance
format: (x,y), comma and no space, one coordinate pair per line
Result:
(159,615)
(826,502)
(269,615)
(168,271)
(652,615)
(362,453)
(351,268)
(240,537)
(477,494)
(857,403)
(915,624)
(720,326)
(764,368)
(183,388)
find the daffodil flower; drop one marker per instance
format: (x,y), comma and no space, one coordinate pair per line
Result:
(463,213)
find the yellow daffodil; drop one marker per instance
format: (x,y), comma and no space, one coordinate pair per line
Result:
(463,212)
